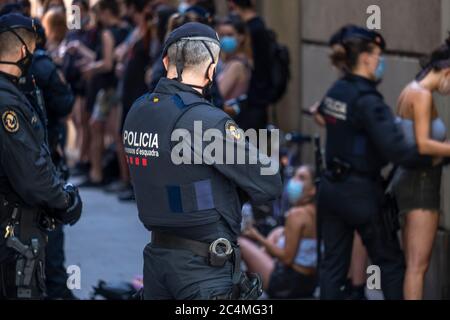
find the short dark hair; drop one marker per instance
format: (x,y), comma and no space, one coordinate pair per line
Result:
(245,4)
(139,5)
(14,42)
(110,5)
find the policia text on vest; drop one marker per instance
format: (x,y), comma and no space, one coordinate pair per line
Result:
(220,148)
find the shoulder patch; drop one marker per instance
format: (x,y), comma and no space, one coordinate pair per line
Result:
(10,121)
(233,130)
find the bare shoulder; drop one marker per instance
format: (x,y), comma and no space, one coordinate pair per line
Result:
(412,98)
(299,215)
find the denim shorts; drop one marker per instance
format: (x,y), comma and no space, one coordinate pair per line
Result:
(417,189)
(106,100)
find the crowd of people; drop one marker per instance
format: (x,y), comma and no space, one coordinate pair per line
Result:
(115,58)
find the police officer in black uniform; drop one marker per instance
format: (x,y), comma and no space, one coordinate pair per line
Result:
(362,137)
(193,211)
(33,197)
(52,97)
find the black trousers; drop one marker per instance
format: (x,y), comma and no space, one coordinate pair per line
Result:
(346,206)
(55,271)
(181,275)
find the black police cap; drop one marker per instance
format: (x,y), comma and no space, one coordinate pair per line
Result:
(191,31)
(10,8)
(338,37)
(352,32)
(16,21)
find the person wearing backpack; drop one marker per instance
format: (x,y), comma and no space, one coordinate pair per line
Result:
(234,77)
(255,115)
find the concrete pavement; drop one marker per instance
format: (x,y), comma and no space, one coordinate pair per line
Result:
(107,242)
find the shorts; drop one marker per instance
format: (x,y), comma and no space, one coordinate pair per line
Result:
(286,283)
(105,101)
(417,189)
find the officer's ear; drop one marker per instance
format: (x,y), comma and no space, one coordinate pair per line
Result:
(166,62)
(23,51)
(212,71)
(364,59)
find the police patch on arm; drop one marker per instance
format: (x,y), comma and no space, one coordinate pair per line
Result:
(10,121)
(233,130)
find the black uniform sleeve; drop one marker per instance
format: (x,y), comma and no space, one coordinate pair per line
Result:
(57,93)
(59,96)
(28,166)
(379,122)
(258,176)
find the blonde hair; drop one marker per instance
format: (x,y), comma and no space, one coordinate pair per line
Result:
(55,24)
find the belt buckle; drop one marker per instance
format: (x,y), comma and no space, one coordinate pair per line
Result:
(218,259)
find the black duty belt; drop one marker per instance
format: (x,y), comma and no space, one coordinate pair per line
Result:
(217,253)
(338,169)
(245,286)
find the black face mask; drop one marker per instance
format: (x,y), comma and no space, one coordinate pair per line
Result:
(24,63)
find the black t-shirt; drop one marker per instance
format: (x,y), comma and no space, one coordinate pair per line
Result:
(134,86)
(69,66)
(260,81)
(109,79)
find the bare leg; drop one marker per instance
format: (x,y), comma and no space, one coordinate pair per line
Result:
(418,235)
(359,262)
(275,235)
(121,156)
(84,131)
(257,261)
(96,150)
(76,118)
(120,150)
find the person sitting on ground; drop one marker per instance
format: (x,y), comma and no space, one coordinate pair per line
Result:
(288,257)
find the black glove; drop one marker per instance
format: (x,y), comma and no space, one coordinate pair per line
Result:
(72,214)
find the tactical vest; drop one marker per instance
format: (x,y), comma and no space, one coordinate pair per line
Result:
(346,137)
(170,195)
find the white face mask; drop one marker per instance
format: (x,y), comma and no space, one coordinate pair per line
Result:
(444,86)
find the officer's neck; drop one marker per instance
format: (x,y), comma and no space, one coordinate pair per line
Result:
(189,79)
(362,72)
(11,70)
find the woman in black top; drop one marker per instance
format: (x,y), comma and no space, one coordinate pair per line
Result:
(102,81)
(134,59)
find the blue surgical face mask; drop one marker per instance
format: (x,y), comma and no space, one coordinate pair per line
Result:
(294,190)
(381,68)
(183,6)
(229,44)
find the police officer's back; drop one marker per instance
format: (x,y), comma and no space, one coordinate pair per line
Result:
(189,206)
(362,137)
(32,195)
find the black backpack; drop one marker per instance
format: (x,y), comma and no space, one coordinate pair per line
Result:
(280,68)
